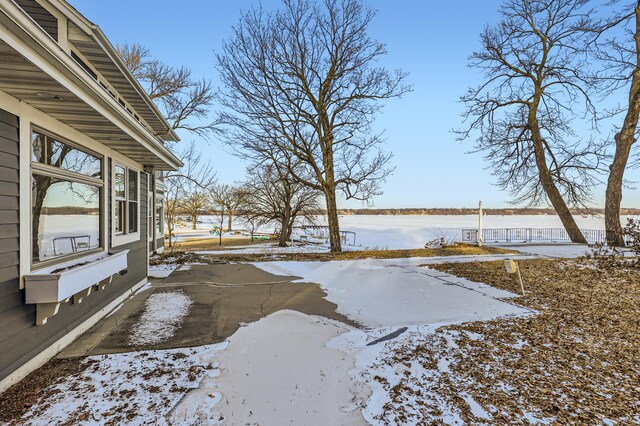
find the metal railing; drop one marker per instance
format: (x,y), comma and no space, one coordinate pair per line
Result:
(321,232)
(526,235)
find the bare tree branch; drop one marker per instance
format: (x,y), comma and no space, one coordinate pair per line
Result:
(303,84)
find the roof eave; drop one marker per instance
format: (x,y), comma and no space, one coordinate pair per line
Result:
(168,133)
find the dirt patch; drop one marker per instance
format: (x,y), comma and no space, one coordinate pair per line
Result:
(37,386)
(455,250)
(213,243)
(576,362)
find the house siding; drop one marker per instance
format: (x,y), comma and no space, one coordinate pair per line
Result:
(20,339)
(46,20)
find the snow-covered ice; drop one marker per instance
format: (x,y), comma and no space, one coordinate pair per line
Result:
(413,231)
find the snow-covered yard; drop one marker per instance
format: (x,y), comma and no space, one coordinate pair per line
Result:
(289,367)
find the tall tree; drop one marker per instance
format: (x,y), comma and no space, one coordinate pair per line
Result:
(621,55)
(534,87)
(184,100)
(306,81)
(272,193)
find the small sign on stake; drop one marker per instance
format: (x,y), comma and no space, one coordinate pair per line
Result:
(512,268)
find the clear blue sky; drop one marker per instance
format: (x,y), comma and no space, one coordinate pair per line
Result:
(428,39)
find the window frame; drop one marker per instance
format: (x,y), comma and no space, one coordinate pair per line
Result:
(159,197)
(150,213)
(37,168)
(126,236)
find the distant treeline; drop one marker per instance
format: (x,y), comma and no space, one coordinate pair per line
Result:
(471,211)
(66,211)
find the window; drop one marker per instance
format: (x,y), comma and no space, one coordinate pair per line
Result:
(120,198)
(125,187)
(66,199)
(159,216)
(133,201)
(150,211)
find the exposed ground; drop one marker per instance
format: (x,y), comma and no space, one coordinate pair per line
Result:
(37,386)
(213,243)
(181,256)
(576,362)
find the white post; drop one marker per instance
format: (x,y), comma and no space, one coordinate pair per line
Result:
(480,237)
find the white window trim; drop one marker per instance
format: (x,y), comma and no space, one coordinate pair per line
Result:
(38,168)
(151,223)
(119,239)
(159,232)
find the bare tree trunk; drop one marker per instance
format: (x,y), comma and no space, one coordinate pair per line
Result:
(332,217)
(614,189)
(289,230)
(42,185)
(230,220)
(624,141)
(220,229)
(284,226)
(550,188)
(194,220)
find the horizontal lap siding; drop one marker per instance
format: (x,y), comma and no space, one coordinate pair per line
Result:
(46,20)
(12,308)
(20,339)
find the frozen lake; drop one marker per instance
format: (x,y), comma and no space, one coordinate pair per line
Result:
(413,231)
(395,232)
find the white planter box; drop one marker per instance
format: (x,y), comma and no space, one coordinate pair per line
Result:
(48,290)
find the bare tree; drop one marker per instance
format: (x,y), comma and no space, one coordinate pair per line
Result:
(194,177)
(304,82)
(173,196)
(521,114)
(231,197)
(272,193)
(219,195)
(620,54)
(194,174)
(184,101)
(194,204)
(251,217)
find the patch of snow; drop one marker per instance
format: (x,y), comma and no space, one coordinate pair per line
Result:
(162,270)
(163,314)
(264,381)
(550,249)
(145,287)
(397,296)
(476,409)
(269,248)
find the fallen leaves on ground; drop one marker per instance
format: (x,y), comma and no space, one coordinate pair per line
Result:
(575,362)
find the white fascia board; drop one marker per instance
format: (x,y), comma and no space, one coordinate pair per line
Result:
(75,79)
